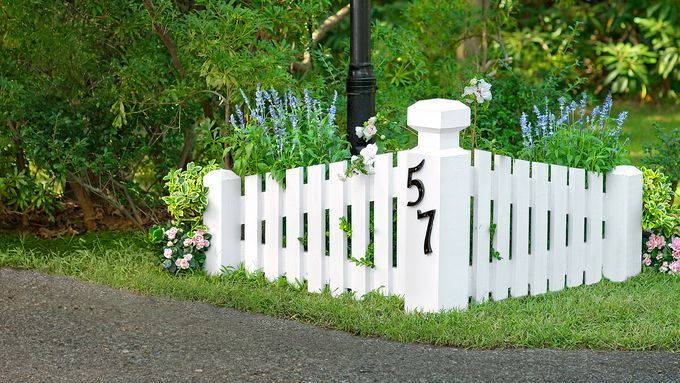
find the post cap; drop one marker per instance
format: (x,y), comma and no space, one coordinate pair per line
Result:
(437,115)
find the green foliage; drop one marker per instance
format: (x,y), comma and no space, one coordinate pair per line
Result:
(664,154)
(368,259)
(658,215)
(187,197)
(23,194)
(630,46)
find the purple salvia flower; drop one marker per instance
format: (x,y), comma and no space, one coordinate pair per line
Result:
(332,109)
(594,114)
(308,104)
(246,100)
(240,117)
(584,98)
(561,101)
(619,122)
(526,130)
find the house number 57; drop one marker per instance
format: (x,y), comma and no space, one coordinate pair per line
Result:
(418,184)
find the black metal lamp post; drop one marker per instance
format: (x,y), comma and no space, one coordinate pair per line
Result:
(360,79)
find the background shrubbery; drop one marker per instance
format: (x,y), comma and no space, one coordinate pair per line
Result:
(100,99)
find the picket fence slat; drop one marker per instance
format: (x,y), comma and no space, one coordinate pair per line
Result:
(294,225)
(382,204)
(539,228)
(576,245)
(400,193)
(338,241)
(481,223)
(360,193)
(253,223)
(273,215)
(501,241)
(520,241)
(594,228)
(316,228)
(558,225)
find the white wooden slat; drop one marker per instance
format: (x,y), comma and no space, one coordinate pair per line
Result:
(539,228)
(558,226)
(359,197)
(502,185)
(576,260)
(520,227)
(253,223)
(594,210)
(382,238)
(337,198)
(481,223)
(400,192)
(316,229)
(273,254)
(294,225)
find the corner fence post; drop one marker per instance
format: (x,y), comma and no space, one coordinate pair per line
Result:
(623,223)
(222,216)
(437,226)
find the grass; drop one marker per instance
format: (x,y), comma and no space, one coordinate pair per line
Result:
(640,314)
(639,124)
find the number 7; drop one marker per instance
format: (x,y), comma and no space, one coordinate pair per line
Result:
(427,246)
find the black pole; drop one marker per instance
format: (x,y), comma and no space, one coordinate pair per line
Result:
(360,79)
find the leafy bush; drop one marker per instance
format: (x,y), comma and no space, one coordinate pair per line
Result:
(187,197)
(658,215)
(664,154)
(575,138)
(278,133)
(22,194)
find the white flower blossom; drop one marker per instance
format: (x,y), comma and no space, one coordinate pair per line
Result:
(369,153)
(479,89)
(368,131)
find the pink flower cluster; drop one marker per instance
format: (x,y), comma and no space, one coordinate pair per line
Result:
(662,255)
(171,233)
(675,246)
(183,263)
(655,242)
(197,240)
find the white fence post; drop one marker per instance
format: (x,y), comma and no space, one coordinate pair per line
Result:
(222,216)
(436,264)
(623,223)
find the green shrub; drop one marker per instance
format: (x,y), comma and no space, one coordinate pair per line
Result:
(658,215)
(187,197)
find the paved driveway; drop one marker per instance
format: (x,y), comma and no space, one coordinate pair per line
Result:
(56,329)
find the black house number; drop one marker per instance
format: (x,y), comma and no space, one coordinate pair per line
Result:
(410,182)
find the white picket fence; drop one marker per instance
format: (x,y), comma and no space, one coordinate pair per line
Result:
(555,227)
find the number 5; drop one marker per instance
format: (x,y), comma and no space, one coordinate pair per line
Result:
(417,183)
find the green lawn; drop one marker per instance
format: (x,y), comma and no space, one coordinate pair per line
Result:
(639,124)
(642,313)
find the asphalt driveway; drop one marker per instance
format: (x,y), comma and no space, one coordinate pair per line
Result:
(57,329)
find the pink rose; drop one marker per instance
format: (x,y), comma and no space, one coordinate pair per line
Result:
(188,256)
(675,244)
(655,241)
(676,254)
(675,267)
(167,253)
(647,262)
(199,232)
(171,233)
(187,242)
(206,243)
(659,256)
(178,262)
(198,238)
(183,264)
